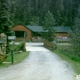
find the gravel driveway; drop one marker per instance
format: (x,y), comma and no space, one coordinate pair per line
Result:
(41,64)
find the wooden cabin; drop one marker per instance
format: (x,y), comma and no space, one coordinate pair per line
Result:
(22,33)
(28,32)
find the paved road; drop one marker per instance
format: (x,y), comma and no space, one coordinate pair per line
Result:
(41,64)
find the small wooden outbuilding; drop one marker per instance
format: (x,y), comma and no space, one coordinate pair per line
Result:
(21,32)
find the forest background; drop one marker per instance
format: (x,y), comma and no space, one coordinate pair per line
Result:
(32,12)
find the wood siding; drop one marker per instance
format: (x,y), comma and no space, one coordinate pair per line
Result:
(23,28)
(31,35)
(63,34)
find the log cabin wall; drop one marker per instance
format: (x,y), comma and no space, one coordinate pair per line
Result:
(22,28)
(30,32)
(63,34)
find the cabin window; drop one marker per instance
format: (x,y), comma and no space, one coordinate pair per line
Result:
(21,34)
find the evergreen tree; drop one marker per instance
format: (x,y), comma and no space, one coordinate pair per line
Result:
(48,24)
(5,23)
(49,20)
(34,21)
(64,11)
(4,17)
(75,35)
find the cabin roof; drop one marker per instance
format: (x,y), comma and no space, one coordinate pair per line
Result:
(62,29)
(36,28)
(40,29)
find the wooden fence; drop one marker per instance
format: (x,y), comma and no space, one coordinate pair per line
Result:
(49,45)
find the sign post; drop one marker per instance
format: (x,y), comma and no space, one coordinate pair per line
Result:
(12,57)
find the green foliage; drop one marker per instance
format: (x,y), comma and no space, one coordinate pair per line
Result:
(48,24)
(34,21)
(18,57)
(71,56)
(2,57)
(68,51)
(75,36)
(50,35)
(18,47)
(0,62)
(5,21)
(23,11)
(49,20)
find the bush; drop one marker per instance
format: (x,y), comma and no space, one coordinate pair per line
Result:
(2,58)
(72,56)
(0,62)
(19,47)
(67,50)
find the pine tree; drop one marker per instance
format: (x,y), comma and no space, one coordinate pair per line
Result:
(49,20)
(34,21)
(4,17)
(48,24)
(5,23)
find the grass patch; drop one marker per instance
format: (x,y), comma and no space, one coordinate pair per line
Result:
(75,63)
(19,57)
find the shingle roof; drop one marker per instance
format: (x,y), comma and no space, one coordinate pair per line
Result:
(40,29)
(35,28)
(62,29)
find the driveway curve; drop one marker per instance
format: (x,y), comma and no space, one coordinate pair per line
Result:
(41,64)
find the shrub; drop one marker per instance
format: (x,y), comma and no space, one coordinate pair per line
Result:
(20,46)
(0,62)
(68,51)
(2,58)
